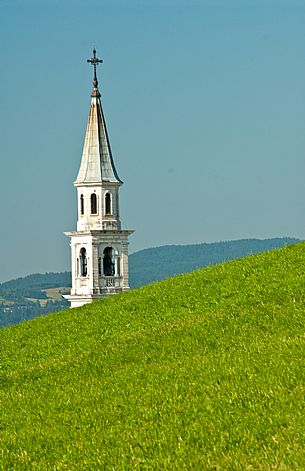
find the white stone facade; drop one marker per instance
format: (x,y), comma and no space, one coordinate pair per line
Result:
(107,212)
(89,279)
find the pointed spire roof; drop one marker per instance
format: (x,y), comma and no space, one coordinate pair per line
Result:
(97,163)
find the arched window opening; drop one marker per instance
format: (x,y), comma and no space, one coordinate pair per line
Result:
(108,262)
(83,262)
(93,204)
(108,203)
(82,204)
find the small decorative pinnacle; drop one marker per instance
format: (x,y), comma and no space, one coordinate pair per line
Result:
(95,61)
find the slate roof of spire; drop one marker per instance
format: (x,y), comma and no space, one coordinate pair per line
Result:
(97,163)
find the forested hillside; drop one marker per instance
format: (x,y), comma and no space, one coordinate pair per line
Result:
(39,281)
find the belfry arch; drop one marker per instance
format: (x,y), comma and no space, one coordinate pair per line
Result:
(108,262)
(82,205)
(93,201)
(108,203)
(83,265)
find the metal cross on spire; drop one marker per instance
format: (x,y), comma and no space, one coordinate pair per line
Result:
(94,61)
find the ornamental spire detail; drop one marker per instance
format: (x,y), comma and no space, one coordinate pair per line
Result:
(95,61)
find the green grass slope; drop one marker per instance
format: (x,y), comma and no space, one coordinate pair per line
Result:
(202,371)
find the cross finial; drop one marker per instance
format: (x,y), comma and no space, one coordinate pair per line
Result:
(94,61)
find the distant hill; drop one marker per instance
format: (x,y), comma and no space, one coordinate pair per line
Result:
(201,371)
(39,281)
(38,294)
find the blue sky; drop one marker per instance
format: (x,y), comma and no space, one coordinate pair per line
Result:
(205,107)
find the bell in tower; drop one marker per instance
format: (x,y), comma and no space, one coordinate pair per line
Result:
(99,247)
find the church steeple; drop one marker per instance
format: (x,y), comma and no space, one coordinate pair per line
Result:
(99,247)
(97,162)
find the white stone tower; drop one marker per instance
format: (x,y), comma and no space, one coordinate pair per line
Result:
(99,247)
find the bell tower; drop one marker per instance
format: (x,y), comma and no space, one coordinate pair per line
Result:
(99,247)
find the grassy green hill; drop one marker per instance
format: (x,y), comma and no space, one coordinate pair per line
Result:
(39,294)
(158,263)
(202,371)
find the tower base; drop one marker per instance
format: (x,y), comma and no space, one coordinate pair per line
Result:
(81,299)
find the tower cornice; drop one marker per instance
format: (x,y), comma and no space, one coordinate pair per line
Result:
(98,183)
(101,232)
